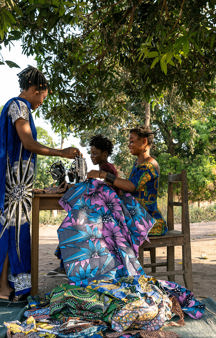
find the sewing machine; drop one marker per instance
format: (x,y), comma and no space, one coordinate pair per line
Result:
(75,174)
(47,199)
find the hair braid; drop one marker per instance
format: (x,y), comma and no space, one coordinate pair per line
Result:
(143,131)
(31,76)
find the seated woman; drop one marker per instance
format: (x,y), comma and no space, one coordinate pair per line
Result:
(144,177)
(101,149)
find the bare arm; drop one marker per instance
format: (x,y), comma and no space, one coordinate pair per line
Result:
(24,132)
(120,183)
(155,164)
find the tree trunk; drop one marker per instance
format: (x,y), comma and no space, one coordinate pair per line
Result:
(62,141)
(147,114)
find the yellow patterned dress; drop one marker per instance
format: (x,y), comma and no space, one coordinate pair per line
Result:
(145,178)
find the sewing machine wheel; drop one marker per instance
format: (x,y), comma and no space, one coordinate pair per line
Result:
(57,172)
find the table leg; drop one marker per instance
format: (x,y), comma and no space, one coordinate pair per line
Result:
(35,245)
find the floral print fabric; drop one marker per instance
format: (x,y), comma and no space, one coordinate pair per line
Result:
(99,241)
(100,237)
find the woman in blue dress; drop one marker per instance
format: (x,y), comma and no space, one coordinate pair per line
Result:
(18,149)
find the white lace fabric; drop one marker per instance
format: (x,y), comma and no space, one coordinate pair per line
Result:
(15,113)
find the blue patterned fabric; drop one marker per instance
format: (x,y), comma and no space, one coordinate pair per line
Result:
(100,237)
(99,241)
(10,143)
(17,171)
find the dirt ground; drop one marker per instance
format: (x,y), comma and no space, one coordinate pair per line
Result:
(203,246)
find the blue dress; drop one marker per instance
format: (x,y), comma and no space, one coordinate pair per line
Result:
(17,174)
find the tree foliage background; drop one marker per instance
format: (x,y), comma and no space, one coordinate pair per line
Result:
(43,178)
(106,59)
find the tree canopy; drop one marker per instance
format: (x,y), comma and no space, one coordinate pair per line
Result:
(43,177)
(180,143)
(107,57)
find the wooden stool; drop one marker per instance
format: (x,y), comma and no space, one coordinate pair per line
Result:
(173,237)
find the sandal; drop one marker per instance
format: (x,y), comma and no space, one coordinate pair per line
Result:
(12,299)
(9,299)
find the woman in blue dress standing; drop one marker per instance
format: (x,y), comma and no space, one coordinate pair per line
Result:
(18,149)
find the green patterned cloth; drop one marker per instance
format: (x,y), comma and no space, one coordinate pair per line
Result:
(75,301)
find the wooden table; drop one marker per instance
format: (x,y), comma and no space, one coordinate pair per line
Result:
(40,201)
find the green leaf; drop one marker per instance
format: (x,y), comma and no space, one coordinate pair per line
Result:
(11,64)
(163,63)
(171,63)
(152,54)
(155,61)
(186,47)
(178,57)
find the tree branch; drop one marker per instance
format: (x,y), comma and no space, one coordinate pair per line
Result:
(180,15)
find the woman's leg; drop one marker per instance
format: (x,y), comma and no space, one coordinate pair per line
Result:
(5,289)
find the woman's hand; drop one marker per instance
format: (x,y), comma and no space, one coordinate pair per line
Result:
(25,135)
(70,152)
(118,182)
(93,174)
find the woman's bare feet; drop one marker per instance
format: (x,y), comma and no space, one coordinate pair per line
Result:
(5,289)
(5,292)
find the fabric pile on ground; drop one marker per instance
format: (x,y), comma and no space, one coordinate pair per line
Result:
(140,304)
(108,294)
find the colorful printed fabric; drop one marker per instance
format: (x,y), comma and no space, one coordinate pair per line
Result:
(129,303)
(17,173)
(93,331)
(75,327)
(145,313)
(141,287)
(29,326)
(99,240)
(121,303)
(190,305)
(38,314)
(100,237)
(145,178)
(76,301)
(143,334)
(144,308)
